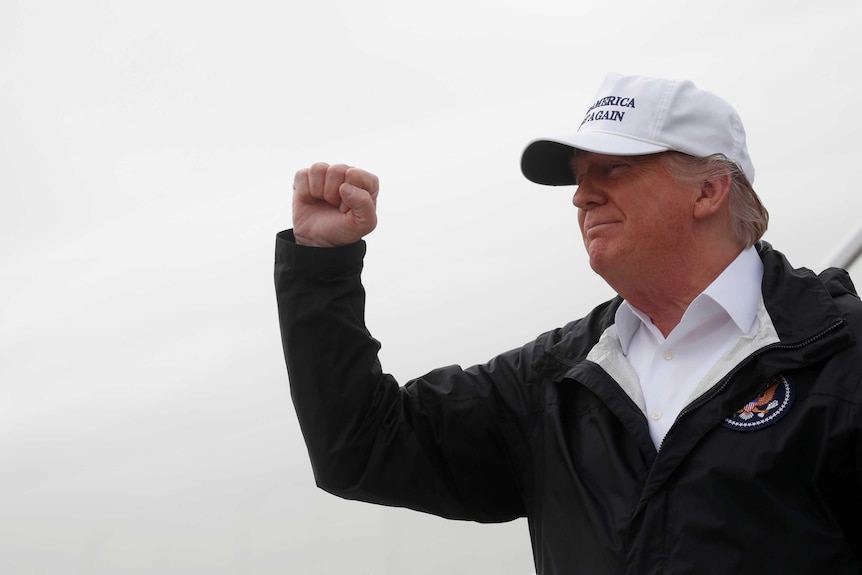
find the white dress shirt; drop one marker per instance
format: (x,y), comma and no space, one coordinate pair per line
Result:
(671,370)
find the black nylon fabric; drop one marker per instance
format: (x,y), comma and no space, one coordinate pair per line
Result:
(543,433)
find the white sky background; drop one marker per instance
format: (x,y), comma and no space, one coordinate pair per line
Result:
(147,151)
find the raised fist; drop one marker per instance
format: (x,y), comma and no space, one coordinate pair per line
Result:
(333,205)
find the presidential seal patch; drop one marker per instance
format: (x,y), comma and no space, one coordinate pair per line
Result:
(765,409)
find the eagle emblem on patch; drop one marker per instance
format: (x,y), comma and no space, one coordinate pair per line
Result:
(765,409)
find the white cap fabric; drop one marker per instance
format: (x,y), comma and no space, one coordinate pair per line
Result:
(634,115)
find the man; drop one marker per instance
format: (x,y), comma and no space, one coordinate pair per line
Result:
(706,420)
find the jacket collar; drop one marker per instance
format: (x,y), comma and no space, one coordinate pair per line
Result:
(801,303)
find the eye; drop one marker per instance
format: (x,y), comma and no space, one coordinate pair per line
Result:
(615,167)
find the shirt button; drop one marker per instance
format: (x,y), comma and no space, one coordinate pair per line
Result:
(655,415)
(668,355)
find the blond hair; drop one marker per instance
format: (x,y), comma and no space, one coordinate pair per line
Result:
(749,217)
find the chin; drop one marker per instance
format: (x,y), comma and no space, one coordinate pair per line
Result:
(599,264)
(604,262)
(599,253)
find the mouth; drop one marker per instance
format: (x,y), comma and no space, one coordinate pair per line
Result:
(597,227)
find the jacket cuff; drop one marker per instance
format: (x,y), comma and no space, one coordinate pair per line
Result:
(318,262)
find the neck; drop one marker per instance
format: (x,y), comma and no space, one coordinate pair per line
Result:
(665,292)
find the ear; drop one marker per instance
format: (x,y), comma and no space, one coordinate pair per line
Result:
(714,194)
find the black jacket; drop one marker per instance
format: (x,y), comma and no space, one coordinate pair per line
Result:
(762,474)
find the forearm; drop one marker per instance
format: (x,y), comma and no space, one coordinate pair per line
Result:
(431,446)
(331,358)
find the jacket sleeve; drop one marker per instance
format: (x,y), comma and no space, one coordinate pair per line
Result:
(444,443)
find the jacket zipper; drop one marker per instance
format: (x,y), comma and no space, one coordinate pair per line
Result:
(718,388)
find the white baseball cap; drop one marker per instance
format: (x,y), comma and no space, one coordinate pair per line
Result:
(635,115)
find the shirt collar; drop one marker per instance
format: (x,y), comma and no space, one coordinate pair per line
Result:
(736,291)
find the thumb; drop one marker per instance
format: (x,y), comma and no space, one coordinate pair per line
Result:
(359,202)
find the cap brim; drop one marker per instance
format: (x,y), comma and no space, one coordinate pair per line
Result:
(548,161)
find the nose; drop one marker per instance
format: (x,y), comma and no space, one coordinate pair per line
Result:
(587,195)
